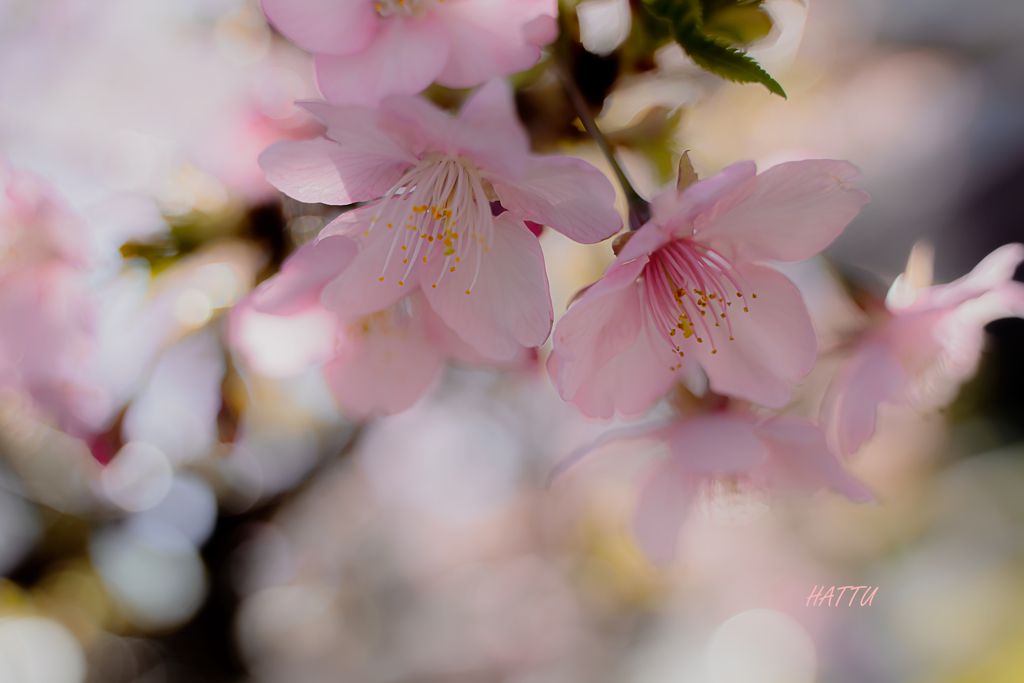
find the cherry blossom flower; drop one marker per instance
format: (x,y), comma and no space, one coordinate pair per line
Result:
(366,50)
(690,286)
(377,363)
(46,311)
(432,227)
(722,458)
(928,343)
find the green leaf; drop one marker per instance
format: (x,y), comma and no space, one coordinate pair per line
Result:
(686,17)
(722,60)
(739,24)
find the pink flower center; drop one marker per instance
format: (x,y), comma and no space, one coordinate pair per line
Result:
(441,204)
(690,288)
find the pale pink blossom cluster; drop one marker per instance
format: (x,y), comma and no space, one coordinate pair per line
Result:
(434,258)
(424,270)
(366,50)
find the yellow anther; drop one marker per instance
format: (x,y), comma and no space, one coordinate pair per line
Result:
(405,260)
(366,233)
(467,291)
(434,286)
(753,296)
(732,339)
(458,260)
(403,247)
(380,279)
(714,351)
(401,284)
(424,259)
(452,269)
(746,310)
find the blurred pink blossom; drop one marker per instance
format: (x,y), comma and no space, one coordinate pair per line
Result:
(690,285)
(377,363)
(433,228)
(929,342)
(369,49)
(46,308)
(718,455)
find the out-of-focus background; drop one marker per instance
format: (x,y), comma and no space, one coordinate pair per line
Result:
(218,520)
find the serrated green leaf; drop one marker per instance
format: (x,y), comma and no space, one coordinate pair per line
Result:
(722,60)
(686,17)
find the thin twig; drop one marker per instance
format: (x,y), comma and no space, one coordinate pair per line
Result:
(639,209)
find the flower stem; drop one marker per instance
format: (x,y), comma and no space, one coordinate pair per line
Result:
(639,209)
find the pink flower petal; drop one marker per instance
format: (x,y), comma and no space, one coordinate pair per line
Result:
(541,31)
(493,38)
(716,443)
(508,306)
(800,459)
(453,347)
(404,58)
(773,345)
(993,270)
(366,132)
(649,430)
(790,212)
(566,194)
(665,497)
(644,242)
(337,27)
(303,275)
(489,131)
(871,376)
(675,211)
(386,365)
(322,171)
(602,324)
(359,290)
(632,381)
